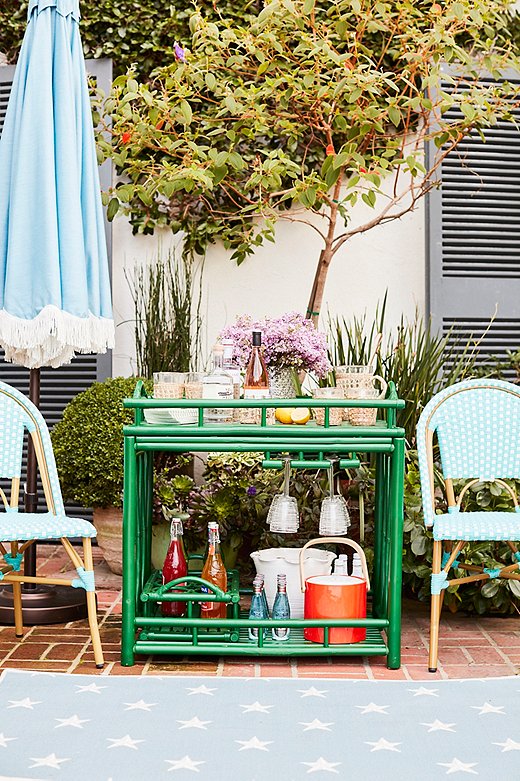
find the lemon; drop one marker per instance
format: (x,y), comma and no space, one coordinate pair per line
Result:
(283,414)
(301,415)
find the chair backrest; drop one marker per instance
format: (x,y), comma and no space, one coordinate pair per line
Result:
(477,423)
(18,414)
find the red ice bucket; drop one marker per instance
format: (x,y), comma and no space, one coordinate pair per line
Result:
(335,596)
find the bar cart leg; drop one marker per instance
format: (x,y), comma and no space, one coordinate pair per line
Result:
(380,511)
(129,553)
(396,554)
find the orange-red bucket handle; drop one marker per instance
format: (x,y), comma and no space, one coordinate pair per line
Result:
(344,541)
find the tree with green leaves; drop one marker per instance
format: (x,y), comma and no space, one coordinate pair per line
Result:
(302,114)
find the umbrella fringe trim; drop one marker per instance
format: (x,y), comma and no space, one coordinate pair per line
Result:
(53,337)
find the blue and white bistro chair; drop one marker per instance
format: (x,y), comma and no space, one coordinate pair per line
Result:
(19,529)
(477,425)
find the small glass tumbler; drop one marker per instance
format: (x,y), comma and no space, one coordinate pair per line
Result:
(193,385)
(169,385)
(365,416)
(335,413)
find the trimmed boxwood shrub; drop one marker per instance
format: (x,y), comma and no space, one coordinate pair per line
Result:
(88,443)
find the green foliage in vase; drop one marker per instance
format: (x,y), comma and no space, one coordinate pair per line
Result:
(313,105)
(88,443)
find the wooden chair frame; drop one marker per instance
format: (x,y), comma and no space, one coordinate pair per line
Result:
(11,571)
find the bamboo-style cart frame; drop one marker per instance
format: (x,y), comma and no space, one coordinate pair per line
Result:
(146,631)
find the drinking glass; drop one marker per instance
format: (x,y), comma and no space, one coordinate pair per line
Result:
(335,413)
(193,385)
(169,385)
(334,517)
(283,516)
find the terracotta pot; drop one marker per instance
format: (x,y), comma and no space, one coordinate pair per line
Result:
(109,526)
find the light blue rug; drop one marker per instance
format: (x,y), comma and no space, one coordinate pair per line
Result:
(86,728)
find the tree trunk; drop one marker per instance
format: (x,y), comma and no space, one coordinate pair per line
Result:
(318,286)
(322,269)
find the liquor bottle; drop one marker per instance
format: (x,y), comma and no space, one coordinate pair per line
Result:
(256,380)
(214,572)
(175,566)
(357,569)
(230,368)
(257,609)
(281,609)
(218,384)
(341,565)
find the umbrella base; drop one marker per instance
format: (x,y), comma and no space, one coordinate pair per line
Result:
(44,605)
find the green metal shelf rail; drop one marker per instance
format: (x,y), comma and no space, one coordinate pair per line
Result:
(307,446)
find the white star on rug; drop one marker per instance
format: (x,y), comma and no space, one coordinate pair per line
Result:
(184,764)
(139,705)
(72,721)
(423,692)
(253,742)
(4,741)
(437,725)
(25,703)
(92,687)
(509,745)
(125,742)
(256,707)
(50,761)
(488,708)
(456,766)
(200,690)
(194,722)
(317,724)
(313,692)
(373,708)
(383,745)
(322,764)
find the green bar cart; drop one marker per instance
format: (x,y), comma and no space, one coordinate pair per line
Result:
(147,631)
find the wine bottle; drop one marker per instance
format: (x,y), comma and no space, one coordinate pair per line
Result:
(256,380)
(175,566)
(214,572)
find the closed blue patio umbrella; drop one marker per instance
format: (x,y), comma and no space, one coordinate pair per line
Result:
(54,282)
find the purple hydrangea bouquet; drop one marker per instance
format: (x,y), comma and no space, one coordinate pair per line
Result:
(289,341)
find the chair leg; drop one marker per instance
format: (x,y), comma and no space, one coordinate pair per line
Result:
(17,605)
(91,607)
(435,614)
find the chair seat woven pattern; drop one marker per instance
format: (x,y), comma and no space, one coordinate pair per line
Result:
(477,526)
(42,526)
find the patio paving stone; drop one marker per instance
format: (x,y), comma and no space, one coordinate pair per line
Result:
(470,647)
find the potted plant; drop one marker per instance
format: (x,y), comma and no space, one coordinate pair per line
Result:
(292,344)
(88,447)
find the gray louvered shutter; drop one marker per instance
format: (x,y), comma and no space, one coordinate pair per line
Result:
(474,239)
(59,386)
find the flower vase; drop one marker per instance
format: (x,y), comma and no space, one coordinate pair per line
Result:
(281,382)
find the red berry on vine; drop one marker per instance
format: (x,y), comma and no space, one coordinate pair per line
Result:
(329,149)
(126,137)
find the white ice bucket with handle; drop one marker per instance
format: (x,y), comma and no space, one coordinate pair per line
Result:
(275,561)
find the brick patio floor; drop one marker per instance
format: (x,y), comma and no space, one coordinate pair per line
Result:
(469,647)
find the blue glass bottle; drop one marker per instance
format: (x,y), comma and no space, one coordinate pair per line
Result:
(261,580)
(257,610)
(281,609)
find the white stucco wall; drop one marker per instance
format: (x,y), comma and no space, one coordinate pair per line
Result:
(279,276)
